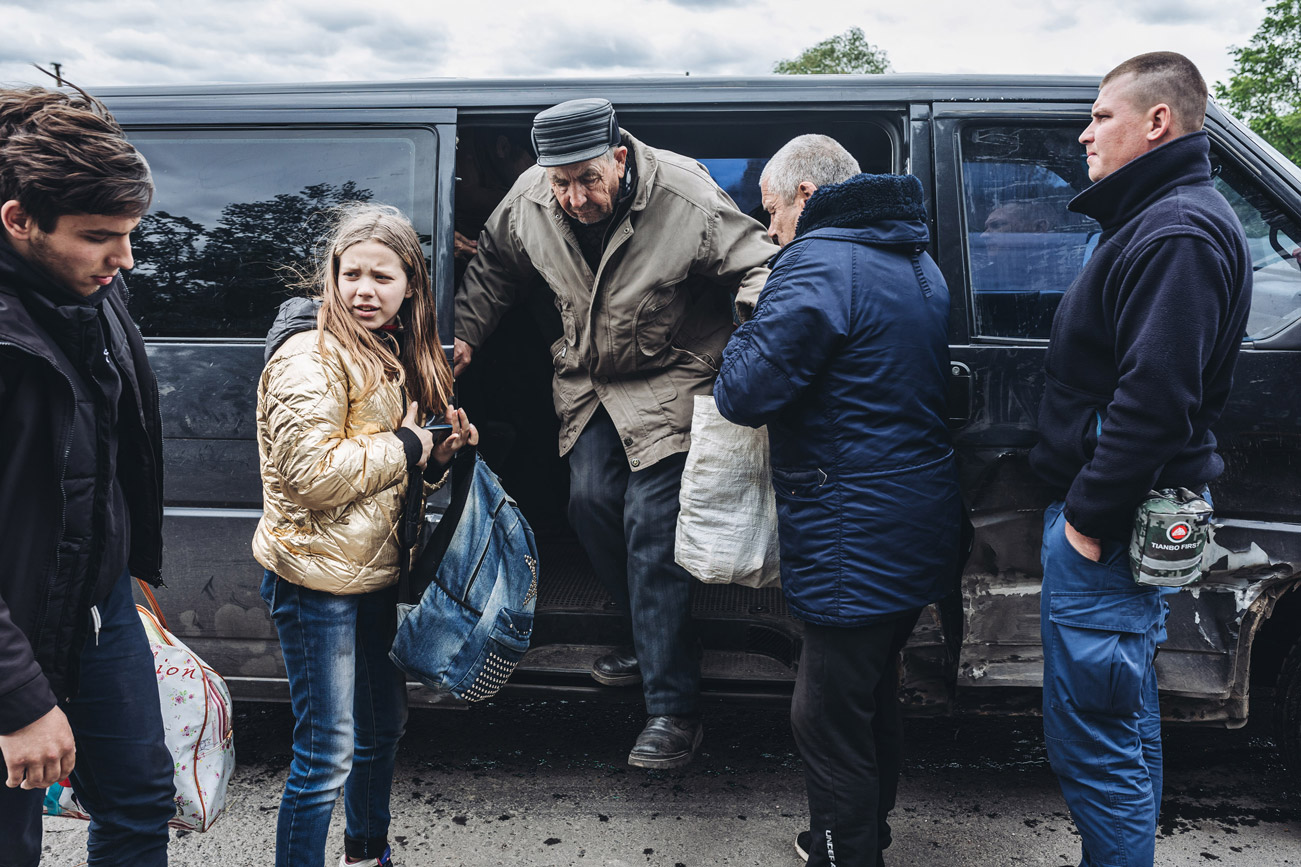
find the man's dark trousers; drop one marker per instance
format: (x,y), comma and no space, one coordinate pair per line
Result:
(626,521)
(123,775)
(848,726)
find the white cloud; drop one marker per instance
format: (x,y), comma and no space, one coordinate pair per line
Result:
(101,42)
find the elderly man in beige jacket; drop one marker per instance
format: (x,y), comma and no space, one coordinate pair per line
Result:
(646,256)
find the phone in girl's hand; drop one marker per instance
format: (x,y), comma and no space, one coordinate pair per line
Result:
(438,428)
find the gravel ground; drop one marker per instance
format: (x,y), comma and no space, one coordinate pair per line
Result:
(545,783)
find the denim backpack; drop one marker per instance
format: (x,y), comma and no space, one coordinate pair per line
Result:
(477,583)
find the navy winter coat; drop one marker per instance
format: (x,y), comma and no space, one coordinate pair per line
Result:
(845,360)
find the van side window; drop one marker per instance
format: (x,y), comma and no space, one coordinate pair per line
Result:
(235,212)
(1023,246)
(1275,244)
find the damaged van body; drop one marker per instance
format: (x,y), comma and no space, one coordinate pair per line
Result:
(244,172)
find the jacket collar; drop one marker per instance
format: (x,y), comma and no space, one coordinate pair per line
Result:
(1130,189)
(866,209)
(647,169)
(874,204)
(22,285)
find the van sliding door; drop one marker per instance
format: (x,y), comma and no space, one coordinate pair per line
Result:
(242,197)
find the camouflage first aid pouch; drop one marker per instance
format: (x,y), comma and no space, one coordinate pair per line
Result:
(1172,533)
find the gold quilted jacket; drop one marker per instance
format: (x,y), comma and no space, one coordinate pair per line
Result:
(333,472)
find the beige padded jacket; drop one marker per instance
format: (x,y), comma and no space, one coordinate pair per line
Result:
(646,332)
(333,472)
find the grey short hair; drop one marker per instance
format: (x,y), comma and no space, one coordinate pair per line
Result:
(819,159)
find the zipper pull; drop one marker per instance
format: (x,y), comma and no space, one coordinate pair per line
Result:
(94,616)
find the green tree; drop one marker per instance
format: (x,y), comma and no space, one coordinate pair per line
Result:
(847,53)
(1265,86)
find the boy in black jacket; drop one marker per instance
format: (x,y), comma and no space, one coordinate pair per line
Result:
(1138,368)
(80,486)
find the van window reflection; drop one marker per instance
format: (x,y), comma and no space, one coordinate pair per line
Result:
(1024,245)
(234,213)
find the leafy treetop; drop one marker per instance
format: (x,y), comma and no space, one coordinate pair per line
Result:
(1265,86)
(850,52)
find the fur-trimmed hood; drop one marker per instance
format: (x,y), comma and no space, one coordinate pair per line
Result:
(867,201)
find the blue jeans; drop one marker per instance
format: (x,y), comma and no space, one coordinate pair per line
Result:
(1102,722)
(123,773)
(350,709)
(626,523)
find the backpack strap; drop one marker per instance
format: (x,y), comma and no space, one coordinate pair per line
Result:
(413,582)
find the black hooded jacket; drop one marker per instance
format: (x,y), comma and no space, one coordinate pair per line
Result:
(81,480)
(1143,346)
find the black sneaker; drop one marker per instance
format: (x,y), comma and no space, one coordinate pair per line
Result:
(667,742)
(618,668)
(803,843)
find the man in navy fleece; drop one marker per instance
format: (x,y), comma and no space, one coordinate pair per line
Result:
(1138,368)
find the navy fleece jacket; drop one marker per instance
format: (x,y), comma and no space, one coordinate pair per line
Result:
(1143,346)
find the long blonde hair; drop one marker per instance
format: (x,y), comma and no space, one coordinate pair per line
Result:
(422,367)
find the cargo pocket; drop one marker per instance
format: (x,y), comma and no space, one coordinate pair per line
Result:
(661,311)
(1103,648)
(507,642)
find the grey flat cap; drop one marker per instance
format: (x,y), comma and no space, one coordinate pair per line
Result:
(573,131)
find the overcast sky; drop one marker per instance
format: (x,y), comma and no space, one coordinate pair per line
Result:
(103,42)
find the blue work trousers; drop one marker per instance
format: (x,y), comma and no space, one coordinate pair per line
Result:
(1102,722)
(123,773)
(350,710)
(626,522)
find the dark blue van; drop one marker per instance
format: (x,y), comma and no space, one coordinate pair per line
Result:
(244,171)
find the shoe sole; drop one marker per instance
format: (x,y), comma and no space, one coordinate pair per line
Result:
(669,762)
(803,856)
(617,679)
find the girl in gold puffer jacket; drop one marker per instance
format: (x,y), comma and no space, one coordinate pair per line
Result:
(339,435)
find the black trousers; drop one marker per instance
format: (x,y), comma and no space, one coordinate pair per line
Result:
(847,724)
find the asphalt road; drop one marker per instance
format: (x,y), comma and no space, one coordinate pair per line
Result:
(545,783)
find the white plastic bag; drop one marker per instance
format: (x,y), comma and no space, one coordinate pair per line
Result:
(727,525)
(196,716)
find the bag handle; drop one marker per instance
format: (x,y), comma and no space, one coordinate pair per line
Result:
(153,602)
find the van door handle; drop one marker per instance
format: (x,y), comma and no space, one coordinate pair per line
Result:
(961,395)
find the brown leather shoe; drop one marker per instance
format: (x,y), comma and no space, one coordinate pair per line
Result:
(619,668)
(667,742)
